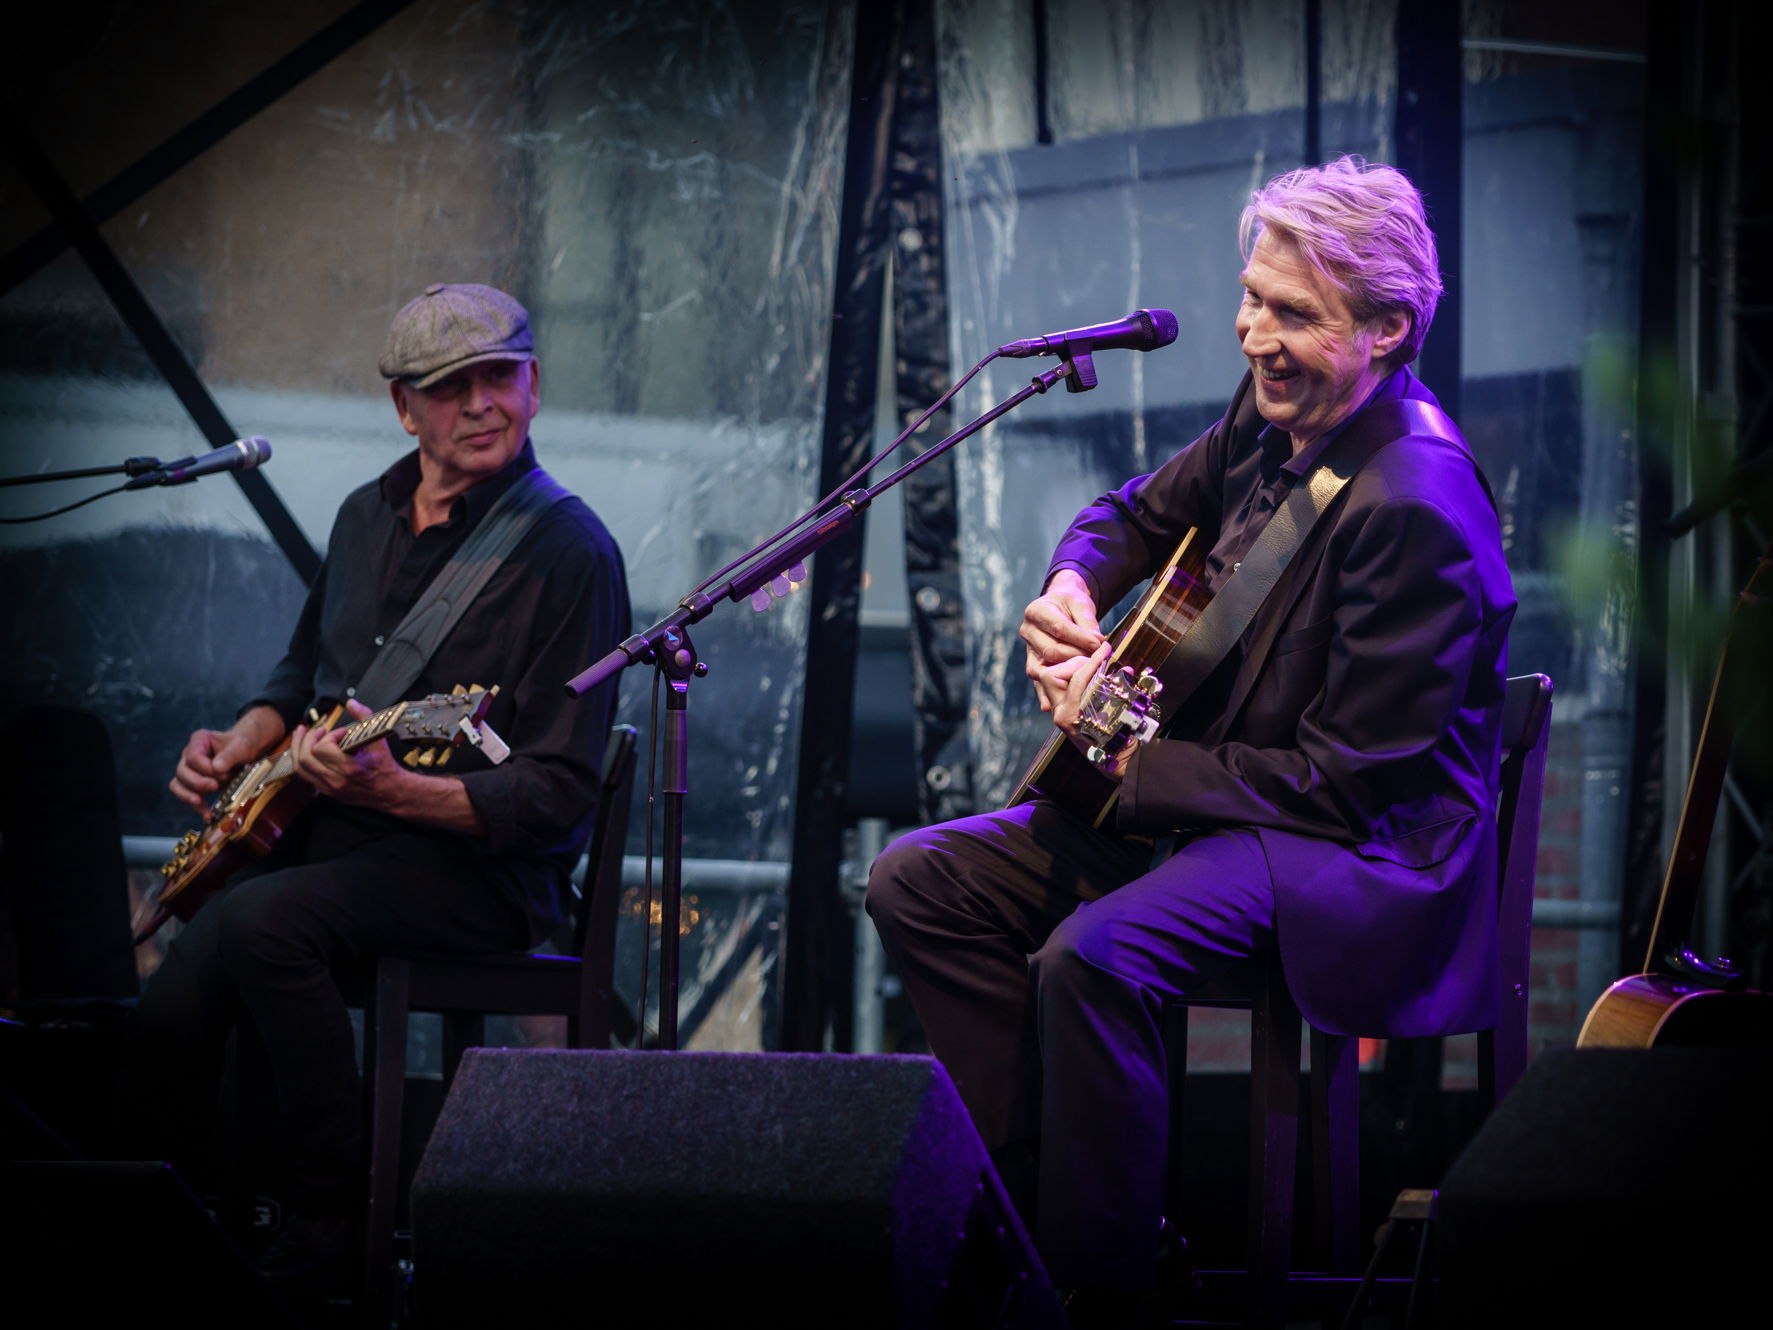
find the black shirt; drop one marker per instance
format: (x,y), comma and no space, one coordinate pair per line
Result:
(558,603)
(1261,483)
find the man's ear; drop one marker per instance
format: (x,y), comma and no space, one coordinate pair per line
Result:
(398,390)
(1389,331)
(535,382)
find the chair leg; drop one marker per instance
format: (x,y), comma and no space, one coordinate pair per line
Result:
(384,1077)
(1336,1143)
(1274,1144)
(1502,1057)
(461,1030)
(1175,1033)
(597,992)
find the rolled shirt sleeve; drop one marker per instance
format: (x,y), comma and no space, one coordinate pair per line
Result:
(539,803)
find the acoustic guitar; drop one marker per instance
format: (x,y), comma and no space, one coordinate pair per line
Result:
(260,799)
(1680,998)
(1120,705)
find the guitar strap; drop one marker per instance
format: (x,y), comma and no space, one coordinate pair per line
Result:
(1234,606)
(442,604)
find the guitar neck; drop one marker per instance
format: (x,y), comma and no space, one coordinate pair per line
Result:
(1177,595)
(355,736)
(1732,691)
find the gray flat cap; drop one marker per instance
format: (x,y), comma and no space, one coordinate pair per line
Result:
(452,325)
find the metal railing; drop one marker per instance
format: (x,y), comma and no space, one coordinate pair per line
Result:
(749,875)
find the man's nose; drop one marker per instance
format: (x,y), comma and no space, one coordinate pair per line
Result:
(1256,334)
(479,395)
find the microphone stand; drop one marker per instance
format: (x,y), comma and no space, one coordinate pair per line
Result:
(666,645)
(134,466)
(143,473)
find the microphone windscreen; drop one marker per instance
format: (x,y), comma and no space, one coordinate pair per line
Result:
(1163,327)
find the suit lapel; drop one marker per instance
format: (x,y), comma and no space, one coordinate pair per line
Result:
(1300,574)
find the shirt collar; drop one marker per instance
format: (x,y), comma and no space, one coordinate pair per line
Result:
(1392,385)
(400,481)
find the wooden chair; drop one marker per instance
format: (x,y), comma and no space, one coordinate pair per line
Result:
(1335,1071)
(465,990)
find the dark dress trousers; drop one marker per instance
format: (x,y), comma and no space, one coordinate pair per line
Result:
(1333,795)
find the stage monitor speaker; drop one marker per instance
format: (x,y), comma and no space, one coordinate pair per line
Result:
(62,875)
(714,1189)
(1615,1186)
(115,1244)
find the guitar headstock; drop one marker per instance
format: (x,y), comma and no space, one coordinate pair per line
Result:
(441,721)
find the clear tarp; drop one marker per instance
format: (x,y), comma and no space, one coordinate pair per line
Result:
(1116,184)
(659,184)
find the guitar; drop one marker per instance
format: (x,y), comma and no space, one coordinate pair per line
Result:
(1680,998)
(1120,705)
(260,799)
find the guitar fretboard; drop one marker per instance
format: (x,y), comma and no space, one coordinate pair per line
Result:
(365,731)
(1169,609)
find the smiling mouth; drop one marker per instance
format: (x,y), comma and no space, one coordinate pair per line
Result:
(485,436)
(1276,375)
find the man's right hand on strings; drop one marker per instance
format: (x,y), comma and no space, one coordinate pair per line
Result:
(211,754)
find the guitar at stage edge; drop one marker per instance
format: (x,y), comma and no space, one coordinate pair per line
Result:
(1681,999)
(261,798)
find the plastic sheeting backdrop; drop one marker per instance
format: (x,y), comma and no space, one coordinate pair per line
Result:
(659,183)
(1162,118)
(1158,121)
(662,187)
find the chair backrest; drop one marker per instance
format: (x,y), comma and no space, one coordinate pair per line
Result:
(1526,726)
(609,838)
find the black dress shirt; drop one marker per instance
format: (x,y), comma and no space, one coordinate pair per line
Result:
(559,602)
(1256,483)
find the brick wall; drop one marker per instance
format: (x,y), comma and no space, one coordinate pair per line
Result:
(1555,1007)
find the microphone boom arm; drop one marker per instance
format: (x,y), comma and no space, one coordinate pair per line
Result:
(667,645)
(764,565)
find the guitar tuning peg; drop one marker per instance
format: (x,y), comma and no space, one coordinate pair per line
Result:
(427,757)
(797,573)
(760,599)
(443,756)
(780,585)
(457,691)
(493,691)
(412,757)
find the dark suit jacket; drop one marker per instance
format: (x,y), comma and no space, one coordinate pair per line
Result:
(1363,748)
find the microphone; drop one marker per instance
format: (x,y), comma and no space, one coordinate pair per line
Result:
(1142,330)
(241,455)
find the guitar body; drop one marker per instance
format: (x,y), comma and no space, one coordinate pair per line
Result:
(1143,640)
(1062,774)
(233,838)
(1657,1011)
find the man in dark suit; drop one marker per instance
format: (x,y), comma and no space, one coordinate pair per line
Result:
(1331,794)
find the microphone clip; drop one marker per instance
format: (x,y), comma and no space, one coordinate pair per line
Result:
(164,473)
(1078,370)
(1083,372)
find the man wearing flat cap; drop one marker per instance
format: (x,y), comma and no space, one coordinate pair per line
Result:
(390,858)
